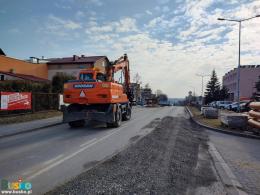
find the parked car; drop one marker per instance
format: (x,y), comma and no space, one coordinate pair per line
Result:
(243,106)
(212,104)
(222,104)
(228,106)
(233,106)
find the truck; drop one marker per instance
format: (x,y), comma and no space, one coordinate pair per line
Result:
(95,95)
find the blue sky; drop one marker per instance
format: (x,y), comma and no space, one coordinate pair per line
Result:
(168,41)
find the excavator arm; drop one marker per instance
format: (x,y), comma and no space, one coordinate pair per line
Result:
(121,64)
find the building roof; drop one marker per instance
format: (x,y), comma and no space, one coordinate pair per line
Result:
(25,77)
(234,70)
(76,60)
(2,52)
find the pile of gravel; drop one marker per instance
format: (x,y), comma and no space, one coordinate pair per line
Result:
(172,159)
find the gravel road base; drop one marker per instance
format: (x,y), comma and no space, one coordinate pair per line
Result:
(172,159)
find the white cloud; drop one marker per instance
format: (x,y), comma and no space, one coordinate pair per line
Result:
(79,14)
(148,12)
(203,42)
(121,26)
(165,9)
(58,23)
(126,25)
(71,25)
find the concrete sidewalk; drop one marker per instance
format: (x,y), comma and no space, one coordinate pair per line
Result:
(18,128)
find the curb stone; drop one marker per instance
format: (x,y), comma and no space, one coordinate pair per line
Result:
(220,130)
(229,180)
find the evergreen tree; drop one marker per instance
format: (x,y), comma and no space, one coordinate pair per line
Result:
(223,95)
(213,89)
(58,81)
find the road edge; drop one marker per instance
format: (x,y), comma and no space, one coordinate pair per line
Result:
(228,179)
(30,130)
(220,130)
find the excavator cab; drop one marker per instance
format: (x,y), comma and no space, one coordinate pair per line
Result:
(91,76)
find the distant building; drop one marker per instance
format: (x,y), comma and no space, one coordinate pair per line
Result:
(146,93)
(136,89)
(73,65)
(4,76)
(248,77)
(147,96)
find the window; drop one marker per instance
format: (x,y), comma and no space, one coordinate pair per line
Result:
(86,76)
(2,77)
(101,77)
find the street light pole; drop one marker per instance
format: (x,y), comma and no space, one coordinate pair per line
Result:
(238,67)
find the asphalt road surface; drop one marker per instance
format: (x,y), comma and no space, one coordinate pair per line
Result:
(51,156)
(242,156)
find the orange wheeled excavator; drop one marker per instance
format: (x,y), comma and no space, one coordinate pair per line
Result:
(95,95)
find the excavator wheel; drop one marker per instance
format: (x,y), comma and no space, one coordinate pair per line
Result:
(76,108)
(118,118)
(127,115)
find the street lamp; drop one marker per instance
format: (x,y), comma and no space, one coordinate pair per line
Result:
(238,68)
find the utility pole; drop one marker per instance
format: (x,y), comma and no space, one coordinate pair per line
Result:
(202,82)
(238,67)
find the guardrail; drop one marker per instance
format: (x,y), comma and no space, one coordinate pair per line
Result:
(254,115)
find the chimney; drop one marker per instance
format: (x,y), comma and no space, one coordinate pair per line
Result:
(75,57)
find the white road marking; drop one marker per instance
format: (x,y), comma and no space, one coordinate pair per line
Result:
(30,171)
(53,160)
(88,142)
(87,145)
(70,156)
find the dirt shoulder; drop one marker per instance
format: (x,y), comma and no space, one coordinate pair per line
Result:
(173,159)
(29,117)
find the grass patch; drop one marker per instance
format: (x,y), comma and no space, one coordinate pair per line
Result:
(209,122)
(29,117)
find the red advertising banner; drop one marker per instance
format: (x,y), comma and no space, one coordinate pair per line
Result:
(16,101)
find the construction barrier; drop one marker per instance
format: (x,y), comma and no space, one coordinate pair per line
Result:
(254,115)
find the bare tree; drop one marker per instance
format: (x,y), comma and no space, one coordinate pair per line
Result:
(137,78)
(147,86)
